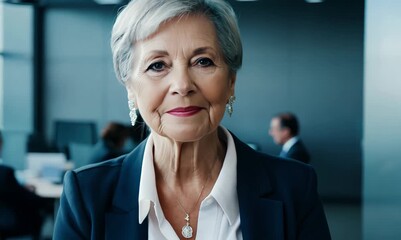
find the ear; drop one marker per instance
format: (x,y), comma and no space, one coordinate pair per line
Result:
(131,93)
(287,133)
(231,84)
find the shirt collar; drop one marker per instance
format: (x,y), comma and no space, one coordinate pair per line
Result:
(287,145)
(224,190)
(147,186)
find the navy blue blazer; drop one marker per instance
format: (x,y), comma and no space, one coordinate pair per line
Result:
(277,199)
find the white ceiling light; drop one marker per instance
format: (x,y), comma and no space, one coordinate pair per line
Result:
(108,1)
(314,1)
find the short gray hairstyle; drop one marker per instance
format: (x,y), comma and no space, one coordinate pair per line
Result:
(141,18)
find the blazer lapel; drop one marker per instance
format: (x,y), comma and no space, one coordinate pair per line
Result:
(122,221)
(261,216)
(125,225)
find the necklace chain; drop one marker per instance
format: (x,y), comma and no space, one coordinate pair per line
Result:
(197,200)
(187,229)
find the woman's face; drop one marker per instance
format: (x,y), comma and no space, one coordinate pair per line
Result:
(180,82)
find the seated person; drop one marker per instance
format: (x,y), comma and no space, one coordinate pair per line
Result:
(20,209)
(111,144)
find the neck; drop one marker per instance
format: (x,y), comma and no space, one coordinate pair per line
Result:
(185,162)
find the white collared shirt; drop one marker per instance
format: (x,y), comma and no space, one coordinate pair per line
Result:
(288,145)
(218,214)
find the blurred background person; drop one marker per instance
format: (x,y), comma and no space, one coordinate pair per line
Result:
(21,210)
(111,144)
(284,129)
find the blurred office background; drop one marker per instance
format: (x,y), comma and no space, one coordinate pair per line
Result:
(335,63)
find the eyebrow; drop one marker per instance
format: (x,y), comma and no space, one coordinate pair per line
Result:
(202,50)
(155,53)
(165,53)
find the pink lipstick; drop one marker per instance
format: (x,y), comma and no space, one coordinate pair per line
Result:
(185,111)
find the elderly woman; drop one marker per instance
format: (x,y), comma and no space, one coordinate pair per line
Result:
(191,178)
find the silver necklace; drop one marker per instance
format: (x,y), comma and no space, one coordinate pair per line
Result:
(187,230)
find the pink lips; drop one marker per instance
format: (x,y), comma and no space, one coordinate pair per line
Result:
(184,111)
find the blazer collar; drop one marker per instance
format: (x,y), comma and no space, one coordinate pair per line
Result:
(122,221)
(261,215)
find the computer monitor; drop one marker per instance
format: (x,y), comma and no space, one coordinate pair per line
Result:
(67,132)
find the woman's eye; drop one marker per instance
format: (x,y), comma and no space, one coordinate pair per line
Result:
(205,62)
(157,66)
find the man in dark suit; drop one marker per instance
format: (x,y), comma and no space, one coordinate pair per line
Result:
(284,128)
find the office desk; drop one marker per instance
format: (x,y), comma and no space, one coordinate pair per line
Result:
(43,168)
(45,188)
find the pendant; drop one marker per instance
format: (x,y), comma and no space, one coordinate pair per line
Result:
(187,230)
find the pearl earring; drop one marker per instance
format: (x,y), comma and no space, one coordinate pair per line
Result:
(229,105)
(132,111)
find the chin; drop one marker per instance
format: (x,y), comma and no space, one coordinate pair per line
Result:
(186,133)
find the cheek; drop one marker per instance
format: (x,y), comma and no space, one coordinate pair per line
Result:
(216,99)
(149,98)
(216,90)
(216,95)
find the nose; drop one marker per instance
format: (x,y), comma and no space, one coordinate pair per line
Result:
(182,82)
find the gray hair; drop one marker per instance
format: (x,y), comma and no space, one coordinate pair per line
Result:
(141,18)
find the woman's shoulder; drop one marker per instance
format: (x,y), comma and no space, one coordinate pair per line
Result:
(279,170)
(94,181)
(111,163)
(114,163)
(243,150)
(94,187)
(285,168)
